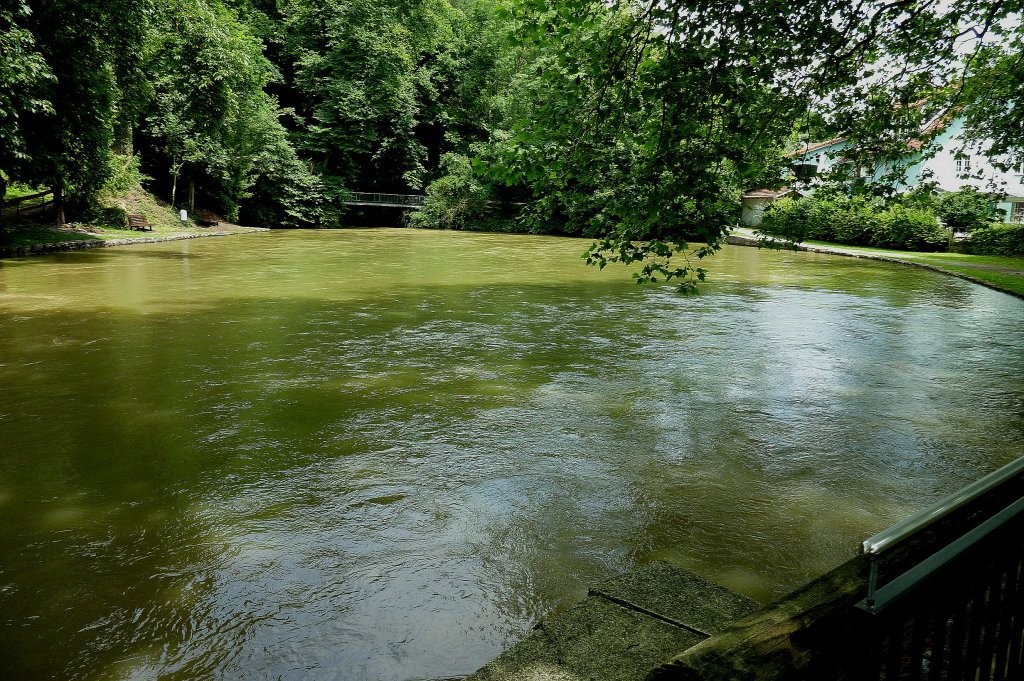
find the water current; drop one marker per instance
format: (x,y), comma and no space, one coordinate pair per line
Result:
(383,454)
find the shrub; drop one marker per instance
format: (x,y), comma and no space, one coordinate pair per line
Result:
(996,239)
(854,220)
(786,219)
(908,229)
(125,175)
(453,200)
(821,219)
(827,218)
(967,209)
(106,216)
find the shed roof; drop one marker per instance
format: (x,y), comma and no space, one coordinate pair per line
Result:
(771,193)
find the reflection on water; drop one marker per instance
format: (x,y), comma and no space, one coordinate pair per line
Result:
(382,454)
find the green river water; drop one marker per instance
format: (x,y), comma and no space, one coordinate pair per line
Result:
(383,454)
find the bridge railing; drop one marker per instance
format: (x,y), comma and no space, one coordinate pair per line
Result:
(23,204)
(370,198)
(956,612)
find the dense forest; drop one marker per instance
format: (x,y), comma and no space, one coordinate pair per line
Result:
(635,123)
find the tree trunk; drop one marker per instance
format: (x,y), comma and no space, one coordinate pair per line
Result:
(191,195)
(123,140)
(174,187)
(58,204)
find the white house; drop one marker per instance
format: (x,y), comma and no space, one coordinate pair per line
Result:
(956,163)
(754,203)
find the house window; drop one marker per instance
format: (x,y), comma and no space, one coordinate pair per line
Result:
(963,165)
(805,171)
(1017,213)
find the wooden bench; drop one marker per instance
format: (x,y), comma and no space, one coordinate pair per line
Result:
(205,218)
(138,221)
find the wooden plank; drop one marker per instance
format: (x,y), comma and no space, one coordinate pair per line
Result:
(27,197)
(813,633)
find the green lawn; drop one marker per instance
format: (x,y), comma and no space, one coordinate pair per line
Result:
(1002,272)
(27,234)
(16,190)
(104,222)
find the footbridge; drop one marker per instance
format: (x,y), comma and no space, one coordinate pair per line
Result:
(411,201)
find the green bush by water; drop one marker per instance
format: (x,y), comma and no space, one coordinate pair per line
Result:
(911,229)
(455,200)
(997,239)
(967,209)
(458,200)
(854,221)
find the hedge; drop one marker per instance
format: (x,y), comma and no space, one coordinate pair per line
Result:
(854,221)
(999,239)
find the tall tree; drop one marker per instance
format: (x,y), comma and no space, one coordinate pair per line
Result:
(650,117)
(210,113)
(92,50)
(24,74)
(380,85)
(991,91)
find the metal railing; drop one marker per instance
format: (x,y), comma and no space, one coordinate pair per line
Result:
(374,199)
(951,604)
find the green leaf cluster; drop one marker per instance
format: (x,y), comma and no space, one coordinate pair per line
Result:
(24,74)
(454,201)
(68,79)
(967,209)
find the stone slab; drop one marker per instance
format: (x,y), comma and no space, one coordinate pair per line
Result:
(623,630)
(679,596)
(596,639)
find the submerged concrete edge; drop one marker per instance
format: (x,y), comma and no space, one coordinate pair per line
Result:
(739,240)
(622,630)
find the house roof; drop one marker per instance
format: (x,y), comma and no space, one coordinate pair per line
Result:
(935,126)
(770,193)
(808,148)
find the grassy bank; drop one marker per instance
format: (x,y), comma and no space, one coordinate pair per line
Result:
(106,222)
(1001,272)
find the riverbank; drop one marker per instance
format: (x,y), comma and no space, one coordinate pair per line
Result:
(1004,274)
(476,427)
(40,241)
(106,224)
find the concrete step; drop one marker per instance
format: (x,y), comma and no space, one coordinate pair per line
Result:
(623,629)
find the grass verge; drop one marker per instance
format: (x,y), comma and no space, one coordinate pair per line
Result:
(106,222)
(1001,272)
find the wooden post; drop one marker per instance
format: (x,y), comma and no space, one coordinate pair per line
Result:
(58,204)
